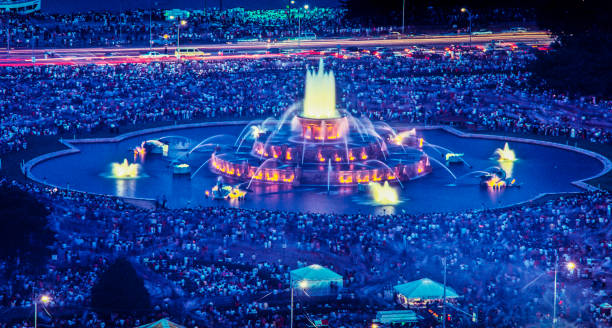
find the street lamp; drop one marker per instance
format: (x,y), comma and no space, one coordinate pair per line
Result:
(44,299)
(300,24)
(570,266)
(303,284)
(464,10)
(403,14)
(178,37)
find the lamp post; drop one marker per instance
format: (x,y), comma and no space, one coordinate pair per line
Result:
(300,25)
(150,19)
(45,299)
(178,37)
(570,266)
(403,14)
(303,284)
(444,296)
(465,10)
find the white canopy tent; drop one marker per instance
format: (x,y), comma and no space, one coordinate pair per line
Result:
(315,280)
(423,290)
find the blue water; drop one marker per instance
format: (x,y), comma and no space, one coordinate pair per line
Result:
(539,169)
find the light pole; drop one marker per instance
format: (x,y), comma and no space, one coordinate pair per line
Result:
(45,299)
(303,284)
(403,14)
(465,10)
(150,32)
(570,266)
(300,25)
(444,296)
(178,37)
(554,318)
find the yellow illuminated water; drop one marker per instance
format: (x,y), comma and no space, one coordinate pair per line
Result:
(125,169)
(399,138)
(383,194)
(505,154)
(320,94)
(256,131)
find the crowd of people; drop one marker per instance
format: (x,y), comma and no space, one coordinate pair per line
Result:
(230,266)
(472,89)
(139,27)
(224,266)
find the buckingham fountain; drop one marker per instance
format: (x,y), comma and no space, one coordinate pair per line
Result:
(317,144)
(317,156)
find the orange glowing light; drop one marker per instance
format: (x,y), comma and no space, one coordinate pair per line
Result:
(351,157)
(364,156)
(288,155)
(375,176)
(345,178)
(271,177)
(320,157)
(288,179)
(420,142)
(337,158)
(495,183)
(363,179)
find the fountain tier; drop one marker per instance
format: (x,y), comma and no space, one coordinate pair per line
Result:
(319,145)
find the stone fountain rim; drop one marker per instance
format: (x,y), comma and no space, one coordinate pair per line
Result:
(72,149)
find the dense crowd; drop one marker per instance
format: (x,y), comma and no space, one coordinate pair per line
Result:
(229,266)
(486,90)
(139,27)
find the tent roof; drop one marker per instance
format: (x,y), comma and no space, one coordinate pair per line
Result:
(425,289)
(402,316)
(163,323)
(314,272)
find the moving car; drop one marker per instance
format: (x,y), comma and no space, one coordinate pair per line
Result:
(188,52)
(153,54)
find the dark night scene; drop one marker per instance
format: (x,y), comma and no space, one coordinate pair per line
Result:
(305,163)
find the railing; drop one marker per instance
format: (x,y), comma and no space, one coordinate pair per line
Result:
(16,2)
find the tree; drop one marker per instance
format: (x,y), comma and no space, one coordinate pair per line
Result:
(579,61)
(119,289)
(24,233)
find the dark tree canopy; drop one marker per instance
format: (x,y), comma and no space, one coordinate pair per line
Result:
(388,12)
(580,61)
(120,290)
(24,231)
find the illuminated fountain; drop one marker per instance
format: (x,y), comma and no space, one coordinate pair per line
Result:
(383,194)
(319,144)
(505,154)
(125,170)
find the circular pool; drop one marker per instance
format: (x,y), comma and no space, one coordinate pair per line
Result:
(540,168)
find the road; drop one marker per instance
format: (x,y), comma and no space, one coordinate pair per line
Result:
(72,56)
